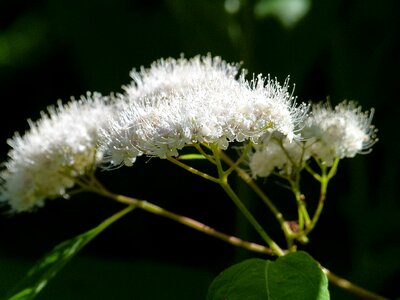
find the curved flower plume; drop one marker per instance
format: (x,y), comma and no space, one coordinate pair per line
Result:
(60,146)
(177,102)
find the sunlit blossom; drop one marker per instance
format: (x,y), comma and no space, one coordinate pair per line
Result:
(339,132)
(326,134)
(57,148)
(177,102)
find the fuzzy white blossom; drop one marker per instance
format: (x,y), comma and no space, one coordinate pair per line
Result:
(277,153)
(339,132)
(58,147)
(327,133)
(204,99)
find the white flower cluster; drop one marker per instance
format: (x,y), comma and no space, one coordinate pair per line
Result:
(177,102)
(276,152)
(172,104)
(327,133)
(60,146)
(339,132)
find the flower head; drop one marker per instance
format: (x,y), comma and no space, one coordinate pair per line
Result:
(339,132)
(327,133)
(60,146)
(182,101)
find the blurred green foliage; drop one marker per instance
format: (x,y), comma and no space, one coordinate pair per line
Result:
(344,49)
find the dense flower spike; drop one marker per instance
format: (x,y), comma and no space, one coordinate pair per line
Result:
(58,147)
(177,102)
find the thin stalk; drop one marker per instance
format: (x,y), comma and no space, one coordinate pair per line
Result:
(333,169)
(274,246)
(97,188)
(311,172)
(320,207)
(202,152)
(351,287)
(325,177)
(193,170)
(250,182)
(157,210)
(240,159)
(294,180)
(302,210)
(132,203)
(223,182)
(223,176)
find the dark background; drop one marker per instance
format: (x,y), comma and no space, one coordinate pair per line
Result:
(342,49)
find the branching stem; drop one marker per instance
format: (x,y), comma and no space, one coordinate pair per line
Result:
(193,170)
(250,182)
(324,179)
(157,210)
(94,186)
(223,176)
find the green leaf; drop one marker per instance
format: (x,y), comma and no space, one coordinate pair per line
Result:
(47,267)
(191,156)
(295,276)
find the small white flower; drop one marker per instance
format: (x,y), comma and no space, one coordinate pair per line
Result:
(177,102)
(277,153)
(58,147)
(264,161)
(340,132)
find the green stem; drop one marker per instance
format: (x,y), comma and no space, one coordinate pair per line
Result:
(115,217)
(351,287)
(303,213)
(149,207)
(324,179)
(226,187)
(193,170)
(157,210)
(250,182)
(320,206)
(333,169)
(240,159)
(294,180)
(96,187)
(202,152)
(223,181)
(311,172)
